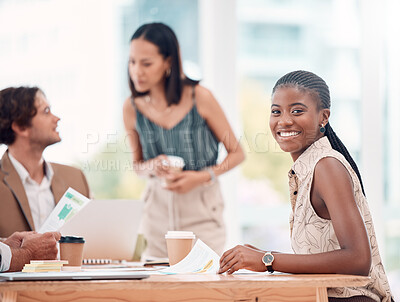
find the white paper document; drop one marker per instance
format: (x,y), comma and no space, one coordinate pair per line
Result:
(70,204)
(201,260)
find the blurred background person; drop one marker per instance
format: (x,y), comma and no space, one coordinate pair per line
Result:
(169,114)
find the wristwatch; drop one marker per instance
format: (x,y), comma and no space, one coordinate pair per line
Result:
(268,259)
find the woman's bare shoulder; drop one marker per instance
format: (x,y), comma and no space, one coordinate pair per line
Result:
(202,93)
(331,176)
(128,104)
(205,101)
(331,167)
(129,114)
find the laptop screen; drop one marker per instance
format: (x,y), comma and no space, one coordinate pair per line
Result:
(109,227)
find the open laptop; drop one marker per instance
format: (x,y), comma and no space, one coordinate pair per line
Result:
(100,275)
(109,227)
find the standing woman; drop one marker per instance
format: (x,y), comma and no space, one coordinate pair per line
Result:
(331,225)
(169,114)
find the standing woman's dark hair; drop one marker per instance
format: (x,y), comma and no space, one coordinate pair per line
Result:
(165,39)
(310,82)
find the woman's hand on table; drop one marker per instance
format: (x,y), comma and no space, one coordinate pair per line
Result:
(242,257)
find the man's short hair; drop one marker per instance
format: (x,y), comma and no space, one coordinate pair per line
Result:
(17,104)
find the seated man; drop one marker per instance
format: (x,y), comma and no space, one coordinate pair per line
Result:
(30,187)
(22,247)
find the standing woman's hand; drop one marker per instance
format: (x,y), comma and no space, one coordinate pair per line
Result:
(241,257)
(159,165)
(183,182)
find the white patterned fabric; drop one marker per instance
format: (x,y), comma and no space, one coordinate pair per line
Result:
(311,234)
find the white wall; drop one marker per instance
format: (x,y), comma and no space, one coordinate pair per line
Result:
(218,62)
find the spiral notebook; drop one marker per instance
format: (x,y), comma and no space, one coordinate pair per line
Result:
(109,227)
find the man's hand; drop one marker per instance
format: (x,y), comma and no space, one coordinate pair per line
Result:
(15,240)
(34,247)
(41,246)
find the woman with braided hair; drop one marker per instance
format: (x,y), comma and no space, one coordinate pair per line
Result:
(331,225)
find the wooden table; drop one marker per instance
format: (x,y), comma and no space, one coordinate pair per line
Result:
(276,287)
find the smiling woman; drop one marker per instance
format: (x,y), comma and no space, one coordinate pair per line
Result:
(296,125)
(331,225)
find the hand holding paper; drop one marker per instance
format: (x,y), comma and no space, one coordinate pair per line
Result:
(70,204)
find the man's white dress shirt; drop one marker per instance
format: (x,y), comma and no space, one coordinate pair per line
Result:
(40,197)
(5,257)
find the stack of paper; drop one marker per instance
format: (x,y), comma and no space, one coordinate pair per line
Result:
(200,260)
(37,266)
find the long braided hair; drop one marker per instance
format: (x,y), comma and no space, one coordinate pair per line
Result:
(308,81)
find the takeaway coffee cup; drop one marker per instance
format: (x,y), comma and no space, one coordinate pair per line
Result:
(179,244)
(175,164)
(71,249)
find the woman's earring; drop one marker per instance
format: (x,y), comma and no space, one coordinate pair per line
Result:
(168,72)
(322,128)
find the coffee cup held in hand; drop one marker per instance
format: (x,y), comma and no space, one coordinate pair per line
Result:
(179,244)
(175,164)
(71,249)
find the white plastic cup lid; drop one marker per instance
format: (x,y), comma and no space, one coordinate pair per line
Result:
(179,235)
(175,161)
